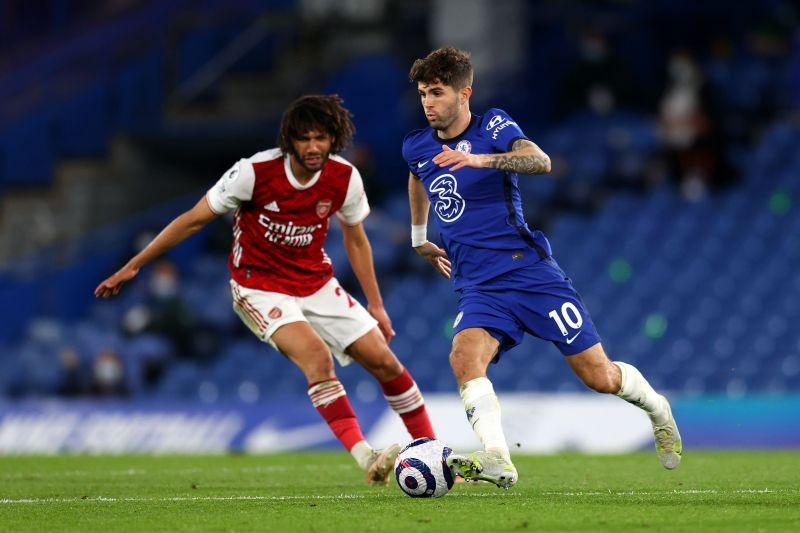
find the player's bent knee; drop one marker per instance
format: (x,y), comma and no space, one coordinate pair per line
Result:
(595,370)
(465,365)
(456,359)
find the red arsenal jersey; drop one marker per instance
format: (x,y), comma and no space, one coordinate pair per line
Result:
(280,225)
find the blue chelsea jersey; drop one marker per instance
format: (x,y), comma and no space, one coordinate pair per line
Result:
(478,211)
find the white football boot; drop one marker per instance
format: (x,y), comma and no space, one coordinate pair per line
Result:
(484,466)
(668,441)
(381,464)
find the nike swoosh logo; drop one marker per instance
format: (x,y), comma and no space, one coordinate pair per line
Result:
(423,163)
(569,341)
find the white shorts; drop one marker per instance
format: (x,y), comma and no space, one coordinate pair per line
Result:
(338,318)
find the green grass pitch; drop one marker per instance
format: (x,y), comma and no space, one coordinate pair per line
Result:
(711,491)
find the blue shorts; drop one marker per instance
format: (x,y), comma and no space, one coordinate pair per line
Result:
(538,299)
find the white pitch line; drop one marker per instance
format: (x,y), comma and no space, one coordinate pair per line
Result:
(107,499)
(674,491)
(179,499)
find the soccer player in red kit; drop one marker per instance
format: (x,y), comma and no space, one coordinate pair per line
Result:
(282,281)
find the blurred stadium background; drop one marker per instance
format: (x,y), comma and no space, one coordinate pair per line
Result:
(673,127)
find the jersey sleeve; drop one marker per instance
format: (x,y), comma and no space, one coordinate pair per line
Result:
(355,207)
(408,154)
(233,188)
(501,130)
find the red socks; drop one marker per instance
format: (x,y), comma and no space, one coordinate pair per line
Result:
(404,397)
(401,393)
(331,401)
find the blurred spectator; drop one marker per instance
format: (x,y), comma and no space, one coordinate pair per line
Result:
(73,380)
(109,374)
(164,312)
(693,152)
(599,81)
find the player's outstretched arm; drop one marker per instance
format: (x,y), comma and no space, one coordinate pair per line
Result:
(359,253)
(176,231)
(525,157)
(420,205)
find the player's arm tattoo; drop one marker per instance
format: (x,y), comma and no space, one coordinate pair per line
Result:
(532,160)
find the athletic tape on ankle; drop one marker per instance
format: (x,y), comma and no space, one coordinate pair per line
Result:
(625,376)
(475,388)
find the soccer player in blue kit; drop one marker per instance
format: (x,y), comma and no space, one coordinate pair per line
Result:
(508,283)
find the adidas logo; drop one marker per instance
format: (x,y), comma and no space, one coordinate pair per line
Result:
(273,206)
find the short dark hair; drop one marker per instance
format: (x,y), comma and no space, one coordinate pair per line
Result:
(448,65)
(316,112)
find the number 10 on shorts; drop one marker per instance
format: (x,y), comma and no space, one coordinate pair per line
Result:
(570,315)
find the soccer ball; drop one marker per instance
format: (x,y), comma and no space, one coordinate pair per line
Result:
(421,469)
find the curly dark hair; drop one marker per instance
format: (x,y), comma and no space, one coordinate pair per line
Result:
(316,112)
(448,65)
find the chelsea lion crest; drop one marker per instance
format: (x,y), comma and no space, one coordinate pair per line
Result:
(464,146)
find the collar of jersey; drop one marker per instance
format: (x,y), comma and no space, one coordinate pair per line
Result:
(439,140)
(287,166)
